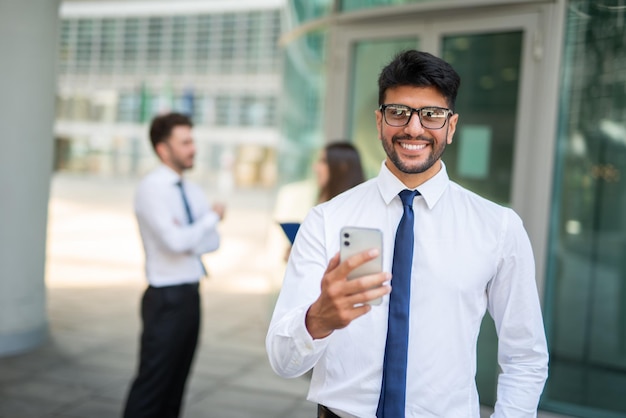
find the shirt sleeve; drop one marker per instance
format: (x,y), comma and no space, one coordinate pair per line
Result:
(291,349)
(153,213)
(514,306)
(211,239)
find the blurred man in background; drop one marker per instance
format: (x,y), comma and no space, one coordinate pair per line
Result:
(177,226)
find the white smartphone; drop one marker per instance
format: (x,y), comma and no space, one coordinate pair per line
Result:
(354,240)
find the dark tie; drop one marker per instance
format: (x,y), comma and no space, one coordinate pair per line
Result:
(393,390)
(185,202)
(189,215)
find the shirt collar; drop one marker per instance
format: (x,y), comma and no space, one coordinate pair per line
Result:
(169,176)
(389,185)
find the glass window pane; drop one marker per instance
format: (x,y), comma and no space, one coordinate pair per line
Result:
(228,111)
(349,5)
(481,156)
(155,35)
(206,28)
(66,45)
(130,48)
(84,44)
(107,40)
(227,47)
(304,73)
(305,10)
(178,43)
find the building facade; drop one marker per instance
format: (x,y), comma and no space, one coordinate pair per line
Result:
(542,129)
(121,63)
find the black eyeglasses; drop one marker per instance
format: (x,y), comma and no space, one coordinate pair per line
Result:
(431,117)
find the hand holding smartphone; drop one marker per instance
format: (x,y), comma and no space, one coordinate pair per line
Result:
(354,240)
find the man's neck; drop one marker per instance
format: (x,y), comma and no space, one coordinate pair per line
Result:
(414,180)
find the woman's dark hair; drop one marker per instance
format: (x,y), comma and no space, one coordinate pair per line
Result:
(161,126)
(344,169)
(419,69)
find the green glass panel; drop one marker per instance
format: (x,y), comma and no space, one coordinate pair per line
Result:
(305,10)
(304,84)
(369,57)
(350,5)
(586,281)
(83,44)
(481,156)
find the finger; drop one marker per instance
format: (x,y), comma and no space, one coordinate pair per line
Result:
(365,283)
(368,295)
(332,264)
(358,310)
(356,260)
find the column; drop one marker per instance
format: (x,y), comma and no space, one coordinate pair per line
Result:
(28,47)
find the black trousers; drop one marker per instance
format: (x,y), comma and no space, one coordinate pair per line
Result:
(323,412)
(171,323)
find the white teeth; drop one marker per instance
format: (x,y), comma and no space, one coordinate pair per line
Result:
(412,147)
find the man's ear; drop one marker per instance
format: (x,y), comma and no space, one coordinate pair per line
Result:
(452,127)
(379,123)
(161,150)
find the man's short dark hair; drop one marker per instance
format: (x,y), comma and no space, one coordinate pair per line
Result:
(162,125)
(419,69)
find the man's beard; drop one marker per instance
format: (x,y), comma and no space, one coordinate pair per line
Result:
(434,155)
(182,165)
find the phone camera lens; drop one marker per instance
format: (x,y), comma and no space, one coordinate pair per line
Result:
(346,243)
(346,235)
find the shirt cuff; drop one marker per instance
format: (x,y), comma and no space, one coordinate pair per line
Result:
(209,220)
(305,344)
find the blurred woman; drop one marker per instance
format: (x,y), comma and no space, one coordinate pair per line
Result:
(338,169)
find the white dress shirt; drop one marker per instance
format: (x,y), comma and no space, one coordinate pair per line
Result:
(172,245)
(470,256)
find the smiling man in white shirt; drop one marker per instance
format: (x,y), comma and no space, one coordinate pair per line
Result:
(177,226)
(469,256)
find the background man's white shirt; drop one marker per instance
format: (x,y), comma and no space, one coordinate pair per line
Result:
(172,245)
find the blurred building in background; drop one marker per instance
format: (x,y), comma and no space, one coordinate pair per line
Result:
(122,62)
(542,129)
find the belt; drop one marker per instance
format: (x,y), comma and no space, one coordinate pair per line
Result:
(323,412)
(190,285)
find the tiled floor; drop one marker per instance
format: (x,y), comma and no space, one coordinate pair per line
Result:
(94,278)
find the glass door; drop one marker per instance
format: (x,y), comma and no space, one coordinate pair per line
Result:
(489,64)
(489,153)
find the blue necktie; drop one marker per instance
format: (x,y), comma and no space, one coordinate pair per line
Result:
(183,195)
(393,391)
(189,216)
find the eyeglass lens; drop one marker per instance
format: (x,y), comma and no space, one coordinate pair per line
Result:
(430,117)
